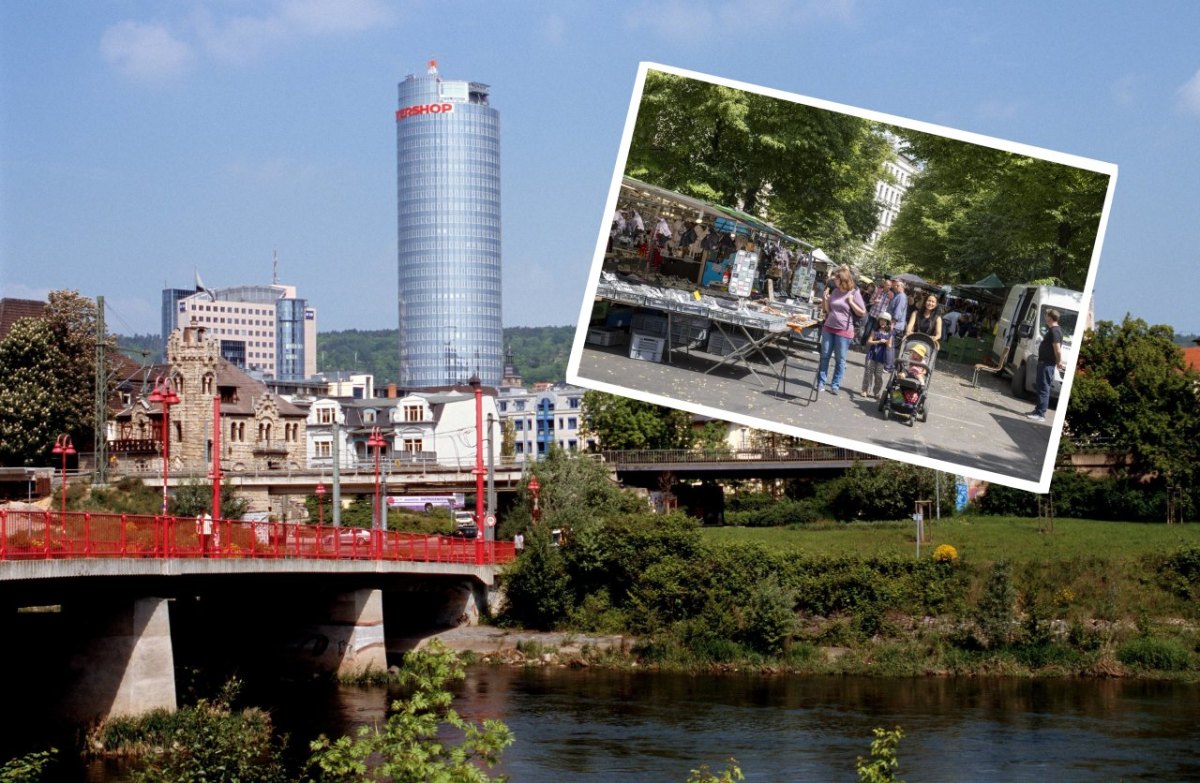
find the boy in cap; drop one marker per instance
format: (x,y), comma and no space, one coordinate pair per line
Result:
(879,355)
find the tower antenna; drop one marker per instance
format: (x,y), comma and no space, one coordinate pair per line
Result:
(274,267)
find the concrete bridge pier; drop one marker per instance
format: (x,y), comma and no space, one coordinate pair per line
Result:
(352,634)
(125,664)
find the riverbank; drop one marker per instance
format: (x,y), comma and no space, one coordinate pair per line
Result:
(925,648)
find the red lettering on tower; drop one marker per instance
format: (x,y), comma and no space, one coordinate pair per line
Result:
(424,108)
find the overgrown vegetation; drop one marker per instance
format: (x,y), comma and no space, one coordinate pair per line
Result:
(1014,598)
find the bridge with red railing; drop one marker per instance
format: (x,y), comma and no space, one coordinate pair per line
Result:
(51,535)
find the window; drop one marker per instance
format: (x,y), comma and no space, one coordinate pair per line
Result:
(324,449)
(413,445)
(414,413)
(572,423)
(325,416)
(520,447)
(519,425)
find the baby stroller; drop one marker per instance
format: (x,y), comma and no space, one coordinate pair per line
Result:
(907,392)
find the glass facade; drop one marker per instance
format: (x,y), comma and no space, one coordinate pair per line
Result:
(289,339)
(448,205)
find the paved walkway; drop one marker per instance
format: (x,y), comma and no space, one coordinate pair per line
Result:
(982,429)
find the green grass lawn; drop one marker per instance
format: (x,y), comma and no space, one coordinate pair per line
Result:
(977,539)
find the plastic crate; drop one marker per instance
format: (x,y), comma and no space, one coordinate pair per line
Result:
(650,324)
(686,330)
(721,344)
(599,335)
(646,347)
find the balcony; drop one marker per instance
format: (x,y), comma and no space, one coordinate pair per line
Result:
(271,448)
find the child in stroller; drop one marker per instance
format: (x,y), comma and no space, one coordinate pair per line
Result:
(907,391)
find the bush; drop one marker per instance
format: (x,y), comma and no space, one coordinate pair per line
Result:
(887,491)
(1151,652)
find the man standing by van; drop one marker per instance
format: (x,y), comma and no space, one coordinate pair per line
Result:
(1049,360)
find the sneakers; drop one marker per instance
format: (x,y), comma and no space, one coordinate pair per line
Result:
(832,391)
(1035,416)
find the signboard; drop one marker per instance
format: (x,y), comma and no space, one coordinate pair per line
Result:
(424,108)
(490,520)
(743,273)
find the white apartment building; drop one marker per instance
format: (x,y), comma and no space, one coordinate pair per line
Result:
(549,414)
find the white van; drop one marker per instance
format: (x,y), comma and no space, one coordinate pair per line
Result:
(1021,326)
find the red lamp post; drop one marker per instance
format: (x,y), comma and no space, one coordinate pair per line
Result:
(320,504)
(534,487)
(377,442)
(63,446)
(479,471)
(165,396)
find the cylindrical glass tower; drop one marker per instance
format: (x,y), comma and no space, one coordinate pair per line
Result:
(448,191)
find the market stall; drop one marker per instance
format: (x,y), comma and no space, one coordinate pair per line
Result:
(682,274)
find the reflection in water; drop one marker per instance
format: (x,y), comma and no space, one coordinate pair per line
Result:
(595,725)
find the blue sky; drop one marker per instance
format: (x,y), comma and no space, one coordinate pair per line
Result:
(141,141)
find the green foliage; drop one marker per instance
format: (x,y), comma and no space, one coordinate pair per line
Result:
(537,587)
(410,746)
(1180,573)
(887,491)
(193,498)
(973,210)
(49,367)
(881,767)
(624,423)
(731,774)
(809,171)
(777,513)
(204,742)
(1154,653)
(29,768)
(996,612)
(1134,392)
(539,352)
(1079,496)
(127,496)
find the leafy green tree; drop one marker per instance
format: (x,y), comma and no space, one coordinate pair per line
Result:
(881,767)
(193,498)
(1133,390)
(411,747)
(887,491)
(29,768)
(810,171)
(973,210)
(48,367)
(537,587)
(623,423)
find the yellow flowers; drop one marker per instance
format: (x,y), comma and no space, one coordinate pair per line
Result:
(945,554)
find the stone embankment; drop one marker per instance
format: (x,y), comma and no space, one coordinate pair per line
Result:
(503,646)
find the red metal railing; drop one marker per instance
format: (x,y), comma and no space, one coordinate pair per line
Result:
(41,535)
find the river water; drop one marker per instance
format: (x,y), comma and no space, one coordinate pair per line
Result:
(594,725)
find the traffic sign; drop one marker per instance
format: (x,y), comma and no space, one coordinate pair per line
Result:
(490,520)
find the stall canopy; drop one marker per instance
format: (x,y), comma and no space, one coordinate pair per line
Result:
(652,195)
(989,289)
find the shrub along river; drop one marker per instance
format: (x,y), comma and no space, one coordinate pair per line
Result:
(600,725)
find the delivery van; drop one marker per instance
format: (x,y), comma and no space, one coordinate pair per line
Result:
(1020,328)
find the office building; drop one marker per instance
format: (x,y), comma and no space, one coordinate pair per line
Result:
(448,216)
(264,329)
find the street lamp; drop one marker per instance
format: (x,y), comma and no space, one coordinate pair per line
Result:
(320,505)
(376,442)
(534,487)
(479,472)
(164,395)
(63,446)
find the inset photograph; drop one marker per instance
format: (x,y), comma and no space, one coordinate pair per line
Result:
(832,273)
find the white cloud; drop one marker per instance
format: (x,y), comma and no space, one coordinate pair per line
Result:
(692,22)
(147,53)
(998,110)
(1189,95)
(151,52)
(555,29)
(1123,90)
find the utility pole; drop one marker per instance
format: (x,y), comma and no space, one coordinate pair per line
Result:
(100,414)
(337,472)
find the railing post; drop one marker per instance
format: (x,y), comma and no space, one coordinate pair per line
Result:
(87,533)
(123,543)
(3,534)
(46,528)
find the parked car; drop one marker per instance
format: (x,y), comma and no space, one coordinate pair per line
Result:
(466,531)
(347,537)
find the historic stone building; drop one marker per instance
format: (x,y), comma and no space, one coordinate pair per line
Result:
(259,430)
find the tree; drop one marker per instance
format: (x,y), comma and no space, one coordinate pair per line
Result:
(881,767)
(48,369)
(623,423)
(193,498)
(810,171)
(1133,390)
(973,210)
(410,746)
